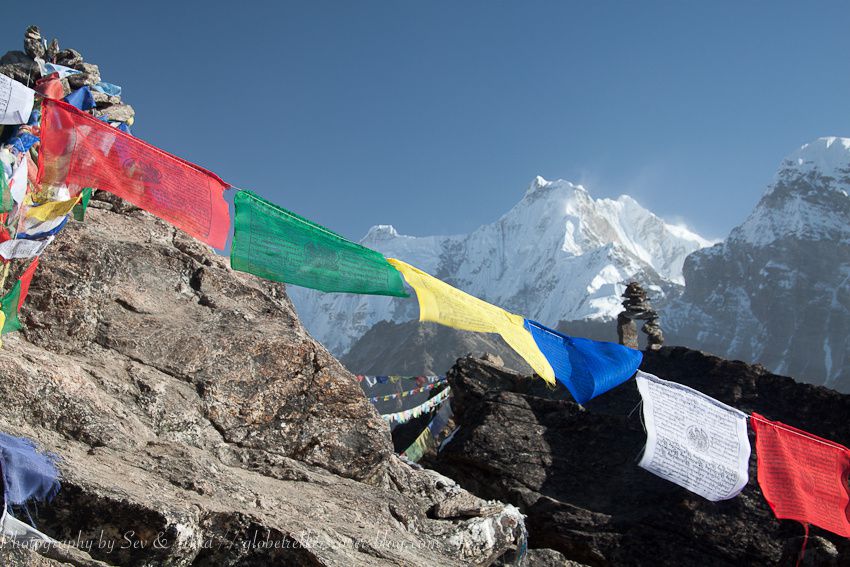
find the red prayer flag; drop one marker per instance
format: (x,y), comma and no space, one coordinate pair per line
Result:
(80,151)
(50,86)
(26,278)
(803,477)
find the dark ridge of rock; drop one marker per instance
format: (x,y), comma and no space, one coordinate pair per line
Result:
(573,470)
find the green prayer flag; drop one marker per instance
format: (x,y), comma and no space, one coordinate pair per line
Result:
(9,306)
(80,208)
(5,193)
(279,245)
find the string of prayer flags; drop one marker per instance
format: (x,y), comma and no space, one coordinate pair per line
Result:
(419,380)
(279,245)
(16,101)
(587,368)
(79,151)
(803,477)
(441,303)
(693,440)
(404,394)
(413,413)
(23,248)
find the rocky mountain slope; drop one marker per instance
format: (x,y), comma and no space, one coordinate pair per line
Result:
(574,470)
(197,423)
(558,255)
(777,291)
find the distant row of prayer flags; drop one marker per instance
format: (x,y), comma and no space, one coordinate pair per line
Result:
(371,381)
(701,444)
(404,394)
(413,413)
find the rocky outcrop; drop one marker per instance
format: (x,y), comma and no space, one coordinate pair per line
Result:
(198,423)
(574,470)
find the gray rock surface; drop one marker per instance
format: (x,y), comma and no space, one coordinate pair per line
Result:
(198,423)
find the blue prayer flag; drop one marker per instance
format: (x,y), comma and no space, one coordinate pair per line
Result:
(587,368)
(81,98)
(27,473)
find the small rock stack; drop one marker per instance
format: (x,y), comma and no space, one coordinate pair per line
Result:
(23,67)
(636,307)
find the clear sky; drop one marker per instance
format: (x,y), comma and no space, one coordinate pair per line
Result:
(434,116)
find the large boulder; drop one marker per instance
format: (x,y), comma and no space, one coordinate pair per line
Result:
(197,423)
(573,470)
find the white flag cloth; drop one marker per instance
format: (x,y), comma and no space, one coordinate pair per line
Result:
(19,182)
(693,440)
(16,101)
(23,248)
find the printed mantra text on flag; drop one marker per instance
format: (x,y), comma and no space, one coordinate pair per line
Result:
(803,477)
(80,151)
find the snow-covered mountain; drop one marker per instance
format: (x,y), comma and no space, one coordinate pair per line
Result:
(777,291)
(558,255)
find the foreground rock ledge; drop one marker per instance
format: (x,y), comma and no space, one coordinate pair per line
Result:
(573,470)
(198,424)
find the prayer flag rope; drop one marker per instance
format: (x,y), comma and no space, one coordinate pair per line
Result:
(413,413)
(404,394)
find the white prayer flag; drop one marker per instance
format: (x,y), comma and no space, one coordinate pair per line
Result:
(23,248)
(19,181)
(693,440)
(16,101)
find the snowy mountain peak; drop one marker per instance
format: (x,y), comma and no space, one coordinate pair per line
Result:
(807,199)
(827,155)
(380,232)
(557,255)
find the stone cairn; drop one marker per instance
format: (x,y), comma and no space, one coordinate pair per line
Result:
(23,67)
(636,307)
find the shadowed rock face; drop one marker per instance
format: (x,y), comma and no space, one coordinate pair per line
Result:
(574,470)
(189,406)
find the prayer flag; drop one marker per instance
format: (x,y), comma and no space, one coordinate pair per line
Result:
(35,230)
(693,440)
(587,368)
(79,151)
(278,245)
(441,303)
(83,205)
(23,248)
(27,473)
(9,304)
(26,279)
(52,209)
(16,101)
(18,188)
(803,477)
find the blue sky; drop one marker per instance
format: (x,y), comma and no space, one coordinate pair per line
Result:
(434,116)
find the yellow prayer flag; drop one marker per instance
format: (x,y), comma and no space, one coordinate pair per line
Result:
(441,303)
(52,209)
